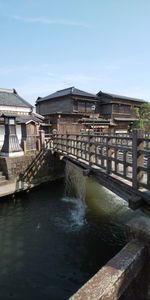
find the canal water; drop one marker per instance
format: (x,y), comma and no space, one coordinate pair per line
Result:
(56,237)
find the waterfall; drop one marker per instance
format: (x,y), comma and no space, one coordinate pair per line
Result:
(75,193)
(83,194)
(75,182)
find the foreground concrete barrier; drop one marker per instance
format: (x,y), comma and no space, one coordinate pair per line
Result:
(124,275)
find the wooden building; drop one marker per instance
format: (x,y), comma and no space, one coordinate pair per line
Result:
(71,111)
(120,109)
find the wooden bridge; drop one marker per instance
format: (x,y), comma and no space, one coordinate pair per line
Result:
(120,162)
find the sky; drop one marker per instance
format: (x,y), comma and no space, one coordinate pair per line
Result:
(48,45)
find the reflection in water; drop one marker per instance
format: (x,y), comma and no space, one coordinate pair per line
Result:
(54,239)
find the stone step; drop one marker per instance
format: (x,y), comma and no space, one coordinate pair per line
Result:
(7,187)
(2,178)
(3,182)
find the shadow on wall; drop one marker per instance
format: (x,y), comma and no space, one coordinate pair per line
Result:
(44,167)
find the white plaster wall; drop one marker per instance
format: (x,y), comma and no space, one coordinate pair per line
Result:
(21,110)
(18,131)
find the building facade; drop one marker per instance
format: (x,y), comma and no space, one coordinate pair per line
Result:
(120,109)
(27,122)
(72,111)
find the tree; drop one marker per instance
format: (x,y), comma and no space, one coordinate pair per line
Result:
(143,115)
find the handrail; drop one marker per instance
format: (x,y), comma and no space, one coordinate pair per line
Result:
(127,157)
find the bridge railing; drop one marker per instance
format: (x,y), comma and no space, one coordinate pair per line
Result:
(126,156)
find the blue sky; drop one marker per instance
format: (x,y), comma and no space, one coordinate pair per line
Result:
(47,45)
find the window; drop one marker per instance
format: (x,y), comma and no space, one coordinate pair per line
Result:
(116,108)
(121,108)
(125,109)
(75,105)
(81,106)
(88,107)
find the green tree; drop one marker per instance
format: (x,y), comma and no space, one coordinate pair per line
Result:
(143,115)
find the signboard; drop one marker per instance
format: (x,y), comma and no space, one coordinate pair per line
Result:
(93,107)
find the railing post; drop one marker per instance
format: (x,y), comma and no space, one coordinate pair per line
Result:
(137,157)
(67,143)
(78,143)
(54,141)
(148,172)
(108,155)
(91,149)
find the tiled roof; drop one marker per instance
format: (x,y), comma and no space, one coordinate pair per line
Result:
(65,92)
(114,96)
(126,119)
(23,118)
(95,120)
(28,118)
(10,97)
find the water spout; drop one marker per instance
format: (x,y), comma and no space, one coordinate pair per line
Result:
(75,193)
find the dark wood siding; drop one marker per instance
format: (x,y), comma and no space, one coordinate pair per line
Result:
(106,109)
(63,105)
(83,106)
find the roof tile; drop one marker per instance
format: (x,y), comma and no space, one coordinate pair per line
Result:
(69,91)
(11,98)
(113,96)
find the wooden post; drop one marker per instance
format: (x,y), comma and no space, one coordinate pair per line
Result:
(89,139)
(137,157)
(124,163)
(108,155)
(67,143)
(77,153)
(148,172)
(116,157)
(24,144)
(91,149)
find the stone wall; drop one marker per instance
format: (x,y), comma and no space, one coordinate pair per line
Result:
(34,168)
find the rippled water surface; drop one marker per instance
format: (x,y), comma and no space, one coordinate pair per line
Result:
(51,243)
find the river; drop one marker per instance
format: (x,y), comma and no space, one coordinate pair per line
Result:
(53,239)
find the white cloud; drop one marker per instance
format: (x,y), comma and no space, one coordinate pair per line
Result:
(46,21)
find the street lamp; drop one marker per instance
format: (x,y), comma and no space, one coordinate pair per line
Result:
(93,111)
